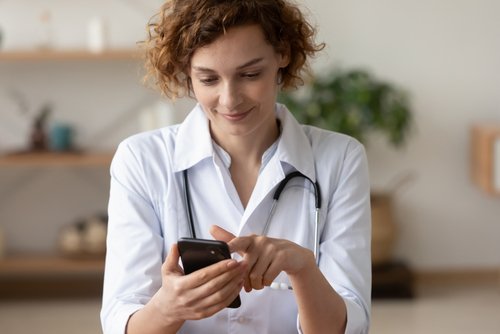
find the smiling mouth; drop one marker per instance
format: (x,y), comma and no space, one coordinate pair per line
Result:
(237,116)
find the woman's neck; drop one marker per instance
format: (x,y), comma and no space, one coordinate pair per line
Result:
(250,148)
(246,159)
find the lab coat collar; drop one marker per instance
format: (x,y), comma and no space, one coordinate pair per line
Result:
(194,143)
(294,146)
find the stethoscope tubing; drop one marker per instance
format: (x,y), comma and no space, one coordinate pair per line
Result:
(276,196)
(317,206)
(187,199)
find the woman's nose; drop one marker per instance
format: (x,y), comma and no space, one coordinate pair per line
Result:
(230,96)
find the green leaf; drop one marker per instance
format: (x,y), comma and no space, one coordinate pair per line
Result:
(353,102)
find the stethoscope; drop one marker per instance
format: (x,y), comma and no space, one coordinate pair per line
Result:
(276,196)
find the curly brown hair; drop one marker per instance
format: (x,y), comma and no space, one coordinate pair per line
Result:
(183,26)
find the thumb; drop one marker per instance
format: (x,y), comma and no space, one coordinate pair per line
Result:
(171,264)
(221,234)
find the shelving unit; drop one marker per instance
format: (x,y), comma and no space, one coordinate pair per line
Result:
(29,276)
(52,275)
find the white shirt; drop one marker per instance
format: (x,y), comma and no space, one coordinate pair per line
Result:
(147,214)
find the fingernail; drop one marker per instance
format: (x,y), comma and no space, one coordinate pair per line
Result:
(232,264)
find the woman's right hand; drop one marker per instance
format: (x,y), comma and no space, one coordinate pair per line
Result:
(199,294)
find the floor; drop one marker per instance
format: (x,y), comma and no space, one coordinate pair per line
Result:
(438,309)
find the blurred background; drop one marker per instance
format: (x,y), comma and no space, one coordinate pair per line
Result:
(71,90)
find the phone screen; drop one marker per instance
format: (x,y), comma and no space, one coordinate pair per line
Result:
(199,253)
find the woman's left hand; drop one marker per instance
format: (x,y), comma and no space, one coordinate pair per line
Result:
(266,257)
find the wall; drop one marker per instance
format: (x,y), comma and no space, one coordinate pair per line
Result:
(445,53)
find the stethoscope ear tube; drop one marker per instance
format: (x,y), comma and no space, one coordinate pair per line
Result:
(187,199)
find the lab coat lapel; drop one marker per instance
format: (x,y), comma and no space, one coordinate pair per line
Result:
(294,147)
(293,153)
(267,181)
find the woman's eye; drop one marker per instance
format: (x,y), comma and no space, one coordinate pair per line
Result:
(208,81)
(251,75)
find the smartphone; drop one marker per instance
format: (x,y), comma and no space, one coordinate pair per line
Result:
(199,253)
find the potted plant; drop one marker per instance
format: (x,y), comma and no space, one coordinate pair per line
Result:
(354,102)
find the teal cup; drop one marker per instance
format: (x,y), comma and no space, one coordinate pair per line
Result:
(61,137)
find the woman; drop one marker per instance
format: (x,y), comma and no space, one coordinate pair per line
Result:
(227,158)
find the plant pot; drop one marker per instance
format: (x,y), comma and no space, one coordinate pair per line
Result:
(384,230)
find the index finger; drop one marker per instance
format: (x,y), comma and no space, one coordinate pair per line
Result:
(240,245)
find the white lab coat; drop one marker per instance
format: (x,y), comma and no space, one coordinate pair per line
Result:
(147,213)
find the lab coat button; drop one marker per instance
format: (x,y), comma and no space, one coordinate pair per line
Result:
(242,320)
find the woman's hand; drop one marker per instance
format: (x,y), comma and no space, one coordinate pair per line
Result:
(266,257)
(199,294)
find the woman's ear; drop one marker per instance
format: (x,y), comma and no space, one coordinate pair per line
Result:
(284,59)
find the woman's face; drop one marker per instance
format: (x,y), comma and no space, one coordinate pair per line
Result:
(235,81)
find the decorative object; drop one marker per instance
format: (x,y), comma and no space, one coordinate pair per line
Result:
(61,137)
(84,238)
(46,29)
(96,35)
(356,103)
(485,157)
(383,228)
(38,137)
(157,114)
(2,243)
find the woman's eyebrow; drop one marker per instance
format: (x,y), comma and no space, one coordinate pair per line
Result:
(248,63)
(202,69)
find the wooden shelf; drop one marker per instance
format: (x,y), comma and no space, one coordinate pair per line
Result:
(56,159)
(51,276)
(49,265)
(60,55)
